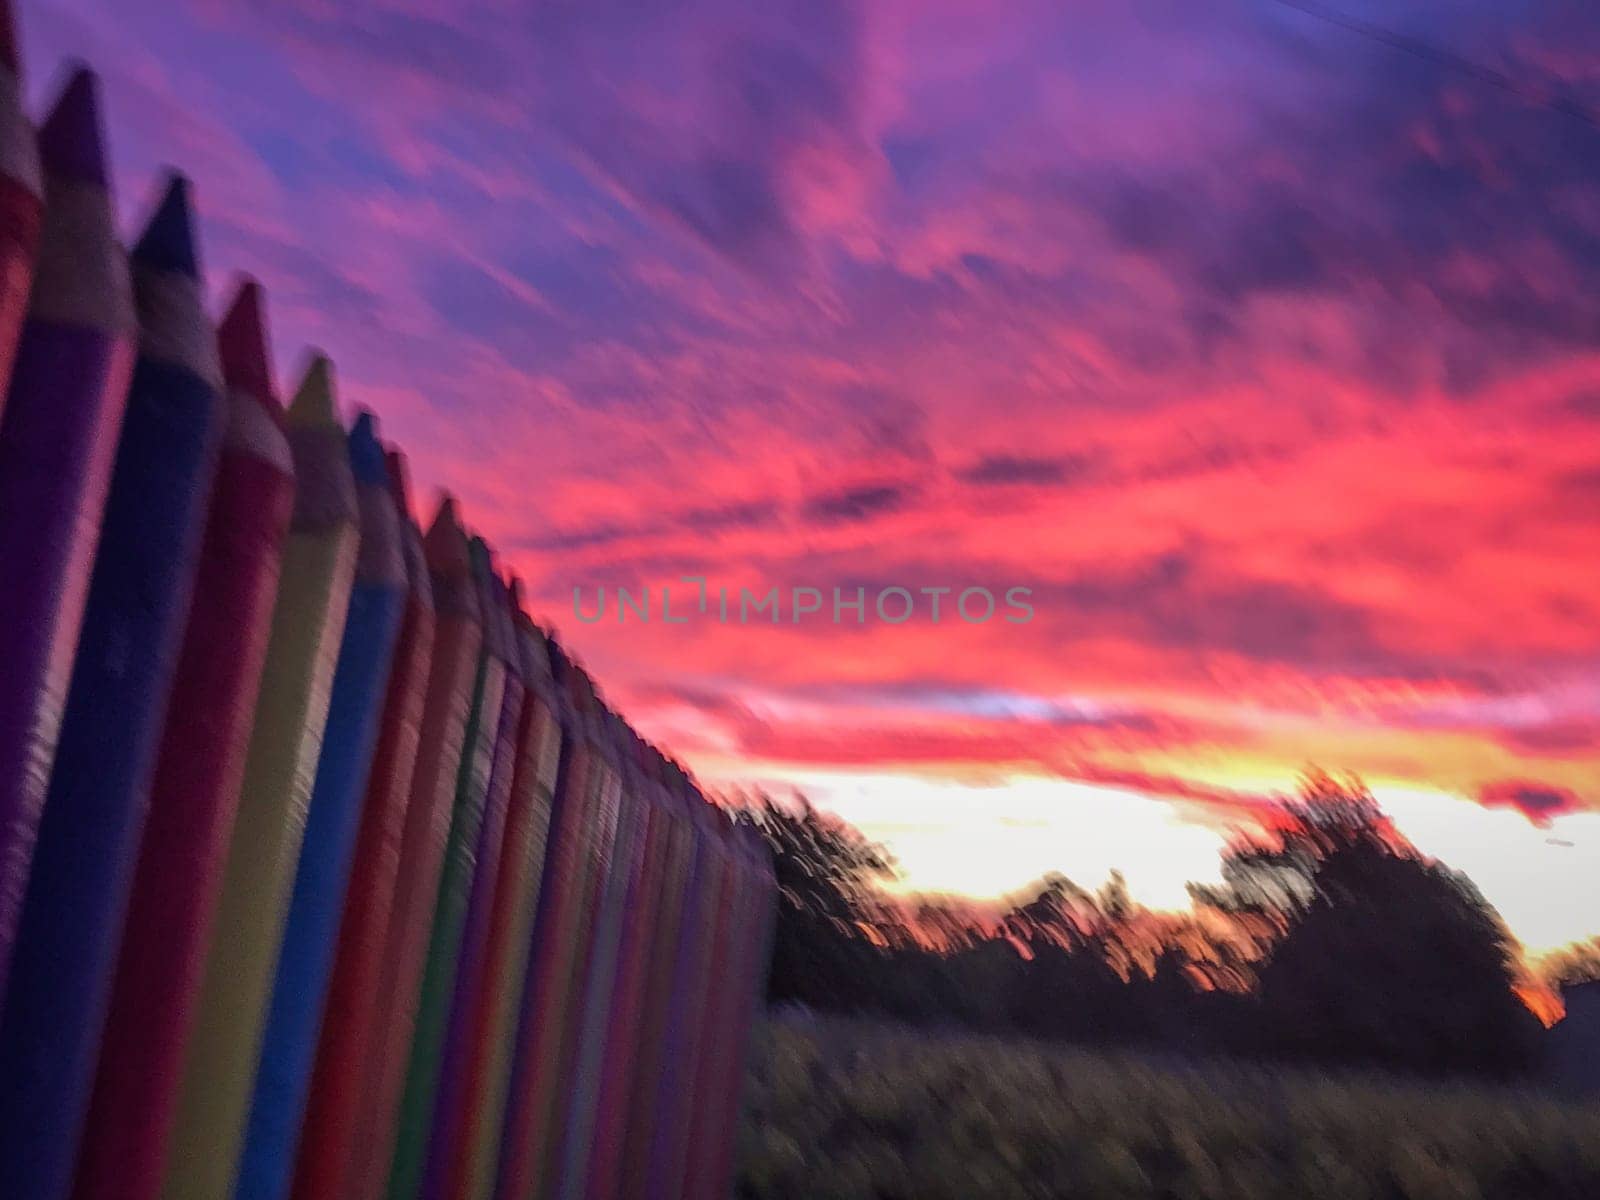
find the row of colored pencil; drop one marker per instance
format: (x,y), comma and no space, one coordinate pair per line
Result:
(324,872)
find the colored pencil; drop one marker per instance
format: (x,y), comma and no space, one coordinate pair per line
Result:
(685,1017)
(195,789)
(57,441)
(358,962)
(555,959)
(608,983)
(453,1094)
(516,900)
(563,1087)
(632,1168)
(322,870)
(559,1088)
(377,604)
(714,1101)
(139,594)
(20,203)
(452,689)
(623,1046)
(763,910)
(285,742)
(474,793)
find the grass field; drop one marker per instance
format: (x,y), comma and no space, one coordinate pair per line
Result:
(867,1112)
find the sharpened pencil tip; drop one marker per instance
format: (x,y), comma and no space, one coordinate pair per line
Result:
(9,58)
(242,344)
(482,559)
(71,145)
(168,242)
(366,453)
(445,545)
(399,483)
(313,402)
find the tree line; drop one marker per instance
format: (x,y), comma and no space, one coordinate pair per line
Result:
(1330,940)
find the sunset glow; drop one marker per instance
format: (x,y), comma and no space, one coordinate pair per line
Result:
(1265,355)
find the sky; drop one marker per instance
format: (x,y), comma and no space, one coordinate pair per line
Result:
(1263,351)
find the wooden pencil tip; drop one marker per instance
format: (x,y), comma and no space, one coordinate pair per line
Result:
(168,242)
(70,142)
(9,58)
(482,559)
(504,626)
(399,482)
(313,403)
(242,344)
(511,612)
(445,545)
(366,452)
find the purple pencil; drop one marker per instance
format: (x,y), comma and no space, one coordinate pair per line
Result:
(58,440)
(20,205)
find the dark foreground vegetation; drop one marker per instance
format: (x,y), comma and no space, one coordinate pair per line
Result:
(852,1110)
(1331,942)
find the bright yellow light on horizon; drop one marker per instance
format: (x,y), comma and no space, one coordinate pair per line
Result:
(990,840)
(1545,882)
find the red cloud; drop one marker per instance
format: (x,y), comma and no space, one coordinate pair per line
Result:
(1275,379)
(1538,802)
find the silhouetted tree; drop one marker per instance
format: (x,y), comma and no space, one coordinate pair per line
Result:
(827,949)
(1330,938)
(1390,958)
(1574,965)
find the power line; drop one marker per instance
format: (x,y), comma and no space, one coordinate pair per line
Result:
(1484,74)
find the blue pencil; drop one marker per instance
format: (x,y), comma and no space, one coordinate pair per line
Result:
(99,793)
(377,603)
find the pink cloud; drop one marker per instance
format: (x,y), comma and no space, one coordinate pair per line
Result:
(1266,359)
